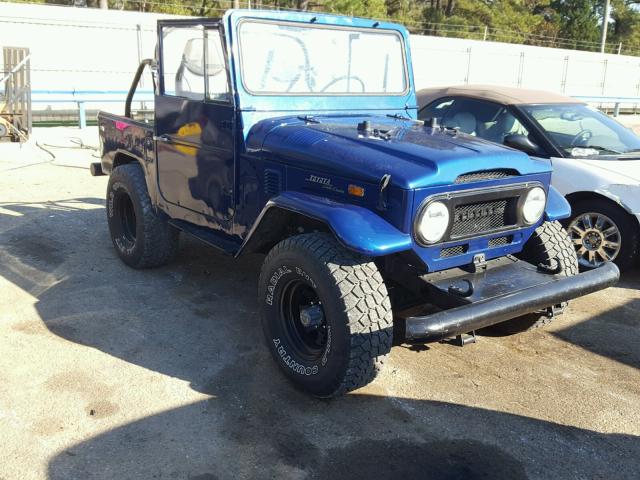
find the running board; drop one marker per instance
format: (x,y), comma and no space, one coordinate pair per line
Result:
(213,238)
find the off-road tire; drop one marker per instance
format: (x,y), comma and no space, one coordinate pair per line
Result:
(147,240)
(356,308)
(626,223)
(548,245)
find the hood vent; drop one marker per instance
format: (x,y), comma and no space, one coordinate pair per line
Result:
(486,175)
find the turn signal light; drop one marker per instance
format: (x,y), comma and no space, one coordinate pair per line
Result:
(356,191)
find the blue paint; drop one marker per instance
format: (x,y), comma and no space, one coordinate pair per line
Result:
(557,206)
(222,164)
(357,227)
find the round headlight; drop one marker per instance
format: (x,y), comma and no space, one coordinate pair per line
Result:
(534,204)
(434,222)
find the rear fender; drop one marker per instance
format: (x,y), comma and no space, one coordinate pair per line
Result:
(123,157)
(357,228)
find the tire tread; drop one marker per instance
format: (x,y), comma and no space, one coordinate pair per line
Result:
(160,240)
(364,295)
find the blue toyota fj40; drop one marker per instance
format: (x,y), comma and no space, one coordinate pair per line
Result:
(295,135)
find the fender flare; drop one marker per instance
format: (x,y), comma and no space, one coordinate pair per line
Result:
(357,228)
(558,207)
(148,169)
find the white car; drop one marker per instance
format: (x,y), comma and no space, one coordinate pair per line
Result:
(596,160)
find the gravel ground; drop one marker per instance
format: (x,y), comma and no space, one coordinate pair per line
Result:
(107,372)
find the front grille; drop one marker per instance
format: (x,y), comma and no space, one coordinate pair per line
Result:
(486,175)
(478,212)
(478,218)
(500,241)
(453,251)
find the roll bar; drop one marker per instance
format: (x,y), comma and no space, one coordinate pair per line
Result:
(134,85)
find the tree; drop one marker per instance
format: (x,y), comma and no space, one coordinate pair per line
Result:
(358,8)
(626,26)
(578,19)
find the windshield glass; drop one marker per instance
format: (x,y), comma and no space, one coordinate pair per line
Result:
(300,59)
(579,130)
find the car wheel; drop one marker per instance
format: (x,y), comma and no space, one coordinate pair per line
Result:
(601,233)
(141,237)
(326,314)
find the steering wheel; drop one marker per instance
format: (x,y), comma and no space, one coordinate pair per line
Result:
(583,136)
(305,69)
(342,78)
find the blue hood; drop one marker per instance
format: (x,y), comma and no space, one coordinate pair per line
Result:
(415,156)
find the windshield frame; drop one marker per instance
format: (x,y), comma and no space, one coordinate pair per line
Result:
(563,151)
(324,26)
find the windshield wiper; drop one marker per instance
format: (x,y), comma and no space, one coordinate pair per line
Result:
(602,149)
(308,119)
(397,116)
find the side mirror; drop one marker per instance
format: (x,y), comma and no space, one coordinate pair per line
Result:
(522,143)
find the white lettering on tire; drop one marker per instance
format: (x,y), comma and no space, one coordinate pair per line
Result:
(273,281)
(306,276)
(328,349)
(110,204)
(291,363)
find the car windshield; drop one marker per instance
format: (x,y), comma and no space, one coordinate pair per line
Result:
(579,130)
(299,59)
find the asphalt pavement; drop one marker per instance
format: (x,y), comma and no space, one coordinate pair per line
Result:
(112,373)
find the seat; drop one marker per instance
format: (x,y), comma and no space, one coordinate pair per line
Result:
(503,127)
(190,74)
(463,121)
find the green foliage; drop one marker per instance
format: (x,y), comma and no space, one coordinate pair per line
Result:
(518,21)
(358,8)
(578,19)
(626,26)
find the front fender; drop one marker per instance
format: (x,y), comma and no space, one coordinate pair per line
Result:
(627,196)
(557,206)
(357,228)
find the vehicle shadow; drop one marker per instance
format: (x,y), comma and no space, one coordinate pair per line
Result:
(257,429)
(197,320)
(174,320)
(615,334)
(630,279)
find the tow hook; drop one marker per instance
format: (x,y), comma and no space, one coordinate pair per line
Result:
(555,310)
(552,269)
(456,290)
(466,338)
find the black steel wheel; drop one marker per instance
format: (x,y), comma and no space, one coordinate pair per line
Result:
(305,325)
(141,237)
(124,220)
(326,314)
